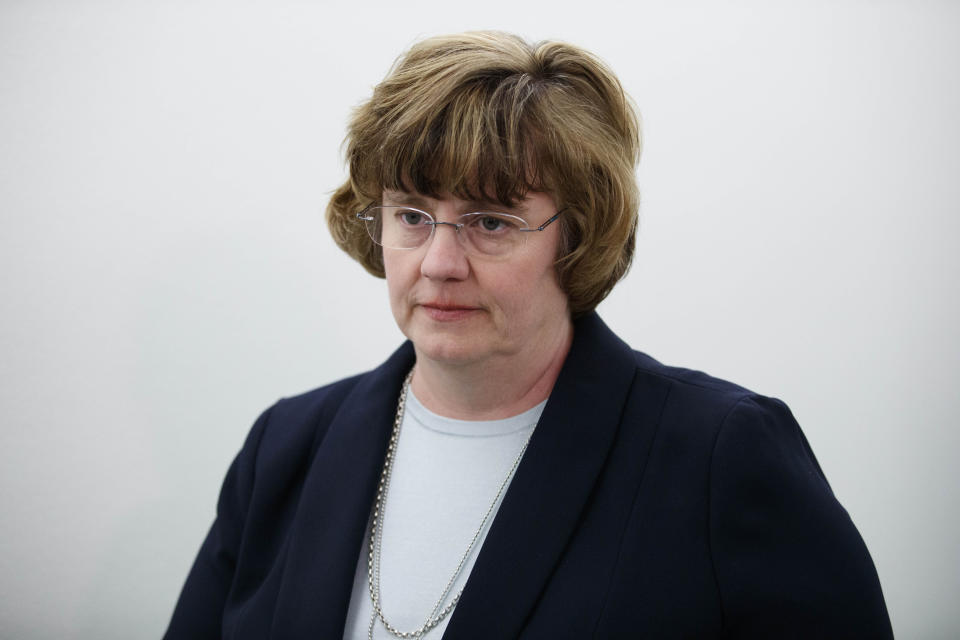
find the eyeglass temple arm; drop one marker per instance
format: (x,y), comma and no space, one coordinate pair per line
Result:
(545,224)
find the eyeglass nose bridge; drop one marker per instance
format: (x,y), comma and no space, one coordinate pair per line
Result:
(457,226)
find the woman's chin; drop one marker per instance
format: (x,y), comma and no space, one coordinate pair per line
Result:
(450,350)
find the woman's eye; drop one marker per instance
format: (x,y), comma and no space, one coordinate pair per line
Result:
(411,217)
(492,223)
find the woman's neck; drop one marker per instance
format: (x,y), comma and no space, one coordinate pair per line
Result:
(498,387)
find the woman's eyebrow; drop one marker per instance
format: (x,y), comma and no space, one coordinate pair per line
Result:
(403,197)
(517,209)
(469,206)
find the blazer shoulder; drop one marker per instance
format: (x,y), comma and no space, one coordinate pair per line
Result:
(690,383)
(295,425)
(731,419)
(316,399)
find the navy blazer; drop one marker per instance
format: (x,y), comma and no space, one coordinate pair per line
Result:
(652,502)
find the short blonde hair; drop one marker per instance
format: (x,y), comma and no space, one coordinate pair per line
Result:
(488,116)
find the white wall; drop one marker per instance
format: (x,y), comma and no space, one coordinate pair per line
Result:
(166,273)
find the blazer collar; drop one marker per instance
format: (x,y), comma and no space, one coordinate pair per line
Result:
(551,487)
(334,508)
(536,518)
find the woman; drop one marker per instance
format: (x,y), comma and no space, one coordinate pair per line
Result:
(514,469)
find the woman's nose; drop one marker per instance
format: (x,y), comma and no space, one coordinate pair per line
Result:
(445,257)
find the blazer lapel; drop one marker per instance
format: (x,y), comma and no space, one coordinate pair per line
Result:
(332,516)
(539,513)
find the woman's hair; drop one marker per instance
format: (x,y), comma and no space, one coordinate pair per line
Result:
(488,116)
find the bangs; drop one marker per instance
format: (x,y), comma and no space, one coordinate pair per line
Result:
(482,144)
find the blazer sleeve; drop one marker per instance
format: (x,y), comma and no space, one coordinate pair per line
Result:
(788,560)
(199,610)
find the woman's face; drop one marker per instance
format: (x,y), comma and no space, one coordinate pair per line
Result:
(470,309)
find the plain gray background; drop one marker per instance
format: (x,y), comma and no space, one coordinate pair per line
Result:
(167,274)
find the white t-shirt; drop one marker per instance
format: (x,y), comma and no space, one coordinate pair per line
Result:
(445,476)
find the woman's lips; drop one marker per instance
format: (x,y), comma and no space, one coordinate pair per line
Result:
(448,312)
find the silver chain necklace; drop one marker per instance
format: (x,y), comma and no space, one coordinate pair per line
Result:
(439,612)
